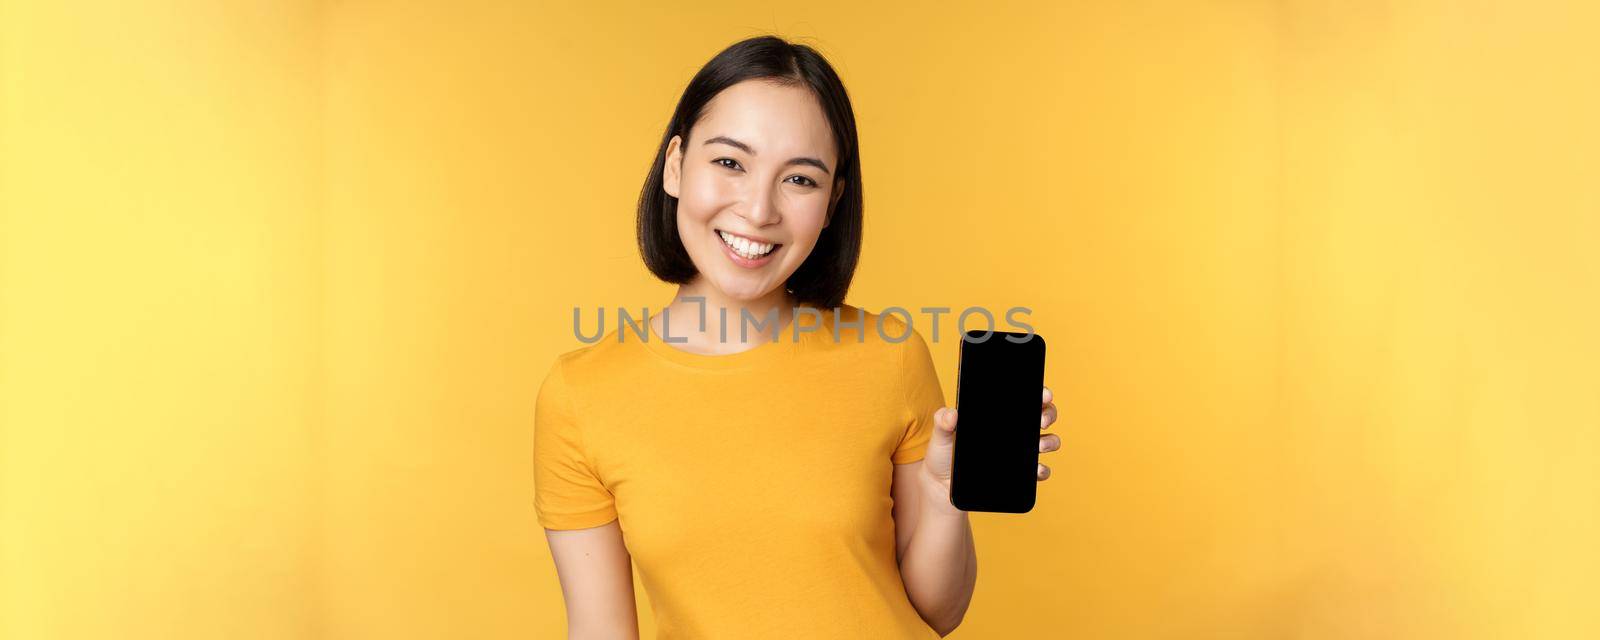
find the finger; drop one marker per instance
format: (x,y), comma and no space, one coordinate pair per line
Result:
(945,419)
(1049,442)
(1048,416)
(1048,397)
(1044,472)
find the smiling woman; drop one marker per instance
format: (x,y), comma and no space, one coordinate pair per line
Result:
(793,482)
(762,146)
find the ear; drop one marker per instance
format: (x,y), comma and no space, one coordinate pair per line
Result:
(833,202)
(672,170)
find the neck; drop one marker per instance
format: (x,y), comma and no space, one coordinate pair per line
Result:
(769,314)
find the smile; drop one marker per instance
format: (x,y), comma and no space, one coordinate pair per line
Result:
(745,247)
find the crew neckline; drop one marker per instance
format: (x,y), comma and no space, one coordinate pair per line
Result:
(766,351)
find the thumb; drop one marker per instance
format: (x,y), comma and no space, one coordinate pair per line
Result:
(944,425)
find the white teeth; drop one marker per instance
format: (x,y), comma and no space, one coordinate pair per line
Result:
(746,248)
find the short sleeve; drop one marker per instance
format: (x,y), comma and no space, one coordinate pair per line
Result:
(568,493)
(922,396)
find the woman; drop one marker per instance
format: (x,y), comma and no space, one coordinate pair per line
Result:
(776,462)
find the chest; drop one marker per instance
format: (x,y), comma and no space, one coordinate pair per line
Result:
(749,468)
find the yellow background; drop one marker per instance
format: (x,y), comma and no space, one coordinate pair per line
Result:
(278,281)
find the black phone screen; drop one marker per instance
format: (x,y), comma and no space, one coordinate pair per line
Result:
(999,383)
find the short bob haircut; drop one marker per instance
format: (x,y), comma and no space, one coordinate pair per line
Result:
(822,280)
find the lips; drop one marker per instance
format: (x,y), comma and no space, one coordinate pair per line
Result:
(747,247)
(743,260)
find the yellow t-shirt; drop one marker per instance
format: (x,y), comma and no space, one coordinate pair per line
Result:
(752,489)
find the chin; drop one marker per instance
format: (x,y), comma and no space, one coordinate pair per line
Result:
(743,292)
(739,288)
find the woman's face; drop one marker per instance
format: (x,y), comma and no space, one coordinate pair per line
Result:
(754,184)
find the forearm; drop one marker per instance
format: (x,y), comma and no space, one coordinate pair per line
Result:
(604,619)
(940,567)
(618,631)
(613,623)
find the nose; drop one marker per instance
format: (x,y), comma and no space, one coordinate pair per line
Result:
(763,207)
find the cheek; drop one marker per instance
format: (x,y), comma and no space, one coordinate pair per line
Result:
(805,229)
(702,195)
(807,215)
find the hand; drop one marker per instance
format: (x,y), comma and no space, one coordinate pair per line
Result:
(941,448)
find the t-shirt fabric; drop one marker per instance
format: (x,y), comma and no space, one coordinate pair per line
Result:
(752,489)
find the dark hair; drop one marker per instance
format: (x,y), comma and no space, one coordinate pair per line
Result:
(824,277)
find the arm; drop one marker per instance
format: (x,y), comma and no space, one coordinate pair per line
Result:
(933,543)
(596,576)
(933,538)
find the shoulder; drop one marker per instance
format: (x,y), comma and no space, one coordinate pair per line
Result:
(886,350)
(596,362)
(892,327)
(860,334)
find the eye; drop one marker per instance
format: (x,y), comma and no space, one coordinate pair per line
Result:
(735,164)
(808,181)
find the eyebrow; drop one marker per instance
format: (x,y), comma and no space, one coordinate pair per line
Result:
(746,148)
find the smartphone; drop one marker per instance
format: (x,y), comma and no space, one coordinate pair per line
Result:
(999,386)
